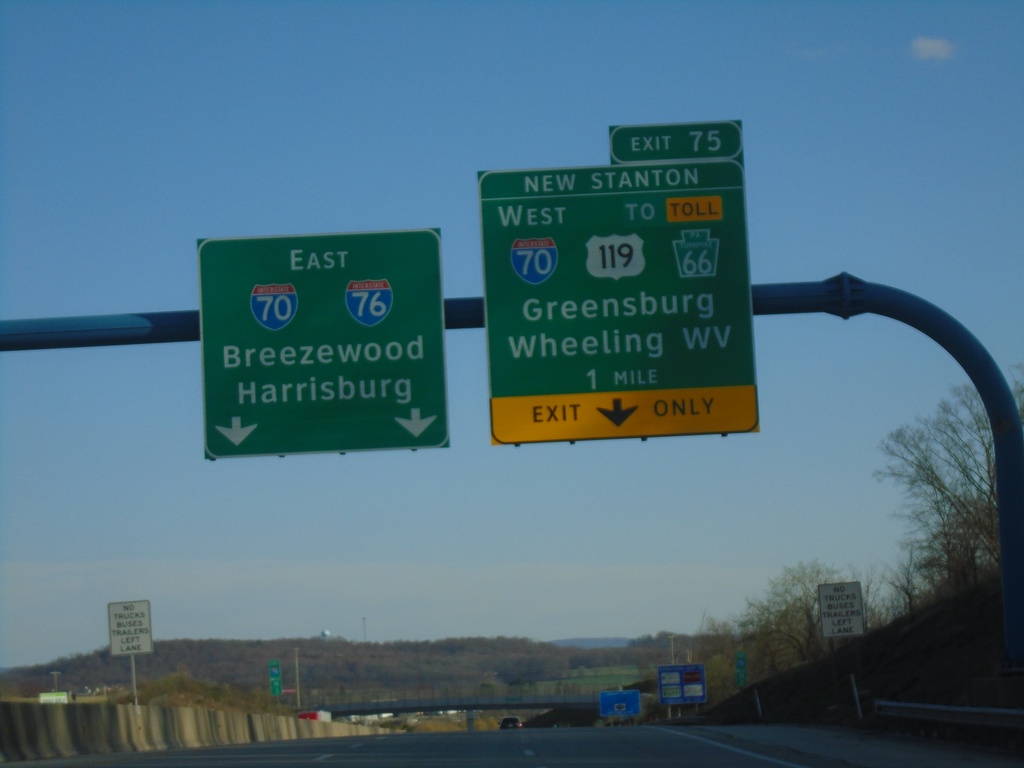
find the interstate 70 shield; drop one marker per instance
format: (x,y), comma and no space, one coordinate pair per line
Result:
(274,306)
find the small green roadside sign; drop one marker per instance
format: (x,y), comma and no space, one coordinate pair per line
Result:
(274,670)
(322,343)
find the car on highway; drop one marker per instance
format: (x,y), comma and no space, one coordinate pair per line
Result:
(510,722)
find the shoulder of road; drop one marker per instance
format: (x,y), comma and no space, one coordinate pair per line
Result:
(846,746)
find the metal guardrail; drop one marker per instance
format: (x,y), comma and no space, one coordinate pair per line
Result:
(988,717)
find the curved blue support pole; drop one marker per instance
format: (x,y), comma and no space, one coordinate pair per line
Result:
(846,296)
(842,295)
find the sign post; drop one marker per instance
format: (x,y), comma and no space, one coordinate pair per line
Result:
(322,343)
(617,302)
(131,632)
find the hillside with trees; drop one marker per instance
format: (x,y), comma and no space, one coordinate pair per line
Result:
(332,668)
(945,465)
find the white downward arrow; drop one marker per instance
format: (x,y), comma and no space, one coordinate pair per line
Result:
(236,433)
(414,423)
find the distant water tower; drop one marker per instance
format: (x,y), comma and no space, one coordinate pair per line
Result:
(326,635)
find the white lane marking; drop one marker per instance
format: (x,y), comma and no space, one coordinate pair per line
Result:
(322,758)
(733,749)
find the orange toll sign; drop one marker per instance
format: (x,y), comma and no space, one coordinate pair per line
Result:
(707,208)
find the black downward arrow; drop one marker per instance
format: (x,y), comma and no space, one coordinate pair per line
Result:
(617,414)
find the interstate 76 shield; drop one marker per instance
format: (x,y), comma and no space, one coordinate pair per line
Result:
(369,301)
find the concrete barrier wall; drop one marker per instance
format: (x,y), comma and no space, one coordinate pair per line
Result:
(34,731)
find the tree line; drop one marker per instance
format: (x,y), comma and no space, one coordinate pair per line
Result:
(334,666)
(945,466)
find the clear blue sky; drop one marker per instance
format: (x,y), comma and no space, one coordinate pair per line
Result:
(882,139)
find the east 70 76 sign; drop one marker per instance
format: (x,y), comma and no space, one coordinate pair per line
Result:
(317,343)
(618,301)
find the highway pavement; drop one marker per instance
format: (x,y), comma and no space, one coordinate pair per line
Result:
(625,747)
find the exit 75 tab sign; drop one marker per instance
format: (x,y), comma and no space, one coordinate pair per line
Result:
(617,301)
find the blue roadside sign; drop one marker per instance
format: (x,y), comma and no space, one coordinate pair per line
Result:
(621,703)
(682,684)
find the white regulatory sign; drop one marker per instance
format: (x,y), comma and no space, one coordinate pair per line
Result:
(131,628)
(842,609)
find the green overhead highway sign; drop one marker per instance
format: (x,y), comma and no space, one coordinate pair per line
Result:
(617,302)
(322,343)
(693,142)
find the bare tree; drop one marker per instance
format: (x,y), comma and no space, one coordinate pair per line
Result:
(904,582)
(784,626)
(946,465)
(875,592)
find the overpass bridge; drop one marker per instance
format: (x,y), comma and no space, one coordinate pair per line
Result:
(463,703)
